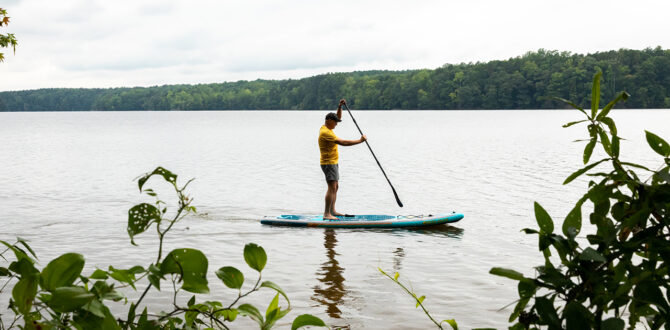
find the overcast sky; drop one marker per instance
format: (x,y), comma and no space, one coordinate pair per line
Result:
(88,43)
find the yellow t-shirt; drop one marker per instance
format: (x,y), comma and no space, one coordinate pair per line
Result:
(327,146)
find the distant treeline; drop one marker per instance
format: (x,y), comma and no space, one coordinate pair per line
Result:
(525,82)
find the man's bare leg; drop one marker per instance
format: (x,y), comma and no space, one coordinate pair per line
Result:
(331,194)
(332,206)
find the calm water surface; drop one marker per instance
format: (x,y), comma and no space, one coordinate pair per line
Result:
(67,183)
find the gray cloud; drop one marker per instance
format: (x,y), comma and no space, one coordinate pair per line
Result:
(153,42)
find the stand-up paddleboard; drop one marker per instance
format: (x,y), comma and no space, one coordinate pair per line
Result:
(363,221)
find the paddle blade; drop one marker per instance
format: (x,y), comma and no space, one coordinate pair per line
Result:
(396,197)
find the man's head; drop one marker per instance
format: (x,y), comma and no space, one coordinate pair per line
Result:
(332,120)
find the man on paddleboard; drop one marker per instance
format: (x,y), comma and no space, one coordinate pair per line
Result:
(328,142)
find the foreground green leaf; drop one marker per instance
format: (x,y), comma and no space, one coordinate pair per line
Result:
(590,254)
(140,218)
(231,277)
(252,312)
(582,171)
(452,323)
(307,320)
(573,220)
(505,272)
(68,299)
(543,219)
(62,271)
(191,265)
(588,150)
(658,144)
(255,256)
(167,175)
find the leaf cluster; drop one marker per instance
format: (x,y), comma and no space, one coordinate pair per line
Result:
(619,274)
(6,40)
(60,296)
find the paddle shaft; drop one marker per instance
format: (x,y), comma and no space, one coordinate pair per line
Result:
(375,157)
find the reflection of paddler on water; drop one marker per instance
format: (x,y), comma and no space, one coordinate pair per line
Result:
(330,274)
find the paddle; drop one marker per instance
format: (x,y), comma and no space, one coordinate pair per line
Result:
(373,155)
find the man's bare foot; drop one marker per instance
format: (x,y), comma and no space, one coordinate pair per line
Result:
(329,217)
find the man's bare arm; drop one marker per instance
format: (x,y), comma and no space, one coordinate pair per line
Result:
(350,142)
(339,109)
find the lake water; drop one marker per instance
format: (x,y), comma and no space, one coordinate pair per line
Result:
(67,184)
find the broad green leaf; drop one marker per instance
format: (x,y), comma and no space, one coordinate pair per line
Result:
(99,274)
(227,314)
(582,171)
(577,316)
(155,281)
(62,271)
(526,288)
(588,150)
(137,269)
(547,312)
(543,219)
(613,324)
(658,144)
(595,95)
(24,292)
(140,218)
(231,277)
(167,175)
(307,320)
(504,272)
(573,220)
(419,301)
(107,322)
(155,276)
(649,292)
(252,312)
(68,299)
(589,254)
(4,271)
(95,307)
(191,264)
(452,323)
(273,286)
(255,256)
(123,275)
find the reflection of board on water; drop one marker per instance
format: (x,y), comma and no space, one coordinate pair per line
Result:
(330,274)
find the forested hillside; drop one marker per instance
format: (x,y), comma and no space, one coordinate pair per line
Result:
(523,82)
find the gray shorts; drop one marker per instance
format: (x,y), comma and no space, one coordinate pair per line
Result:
(332,172)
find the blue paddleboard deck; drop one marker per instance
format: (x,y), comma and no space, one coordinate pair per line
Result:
(363,221)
